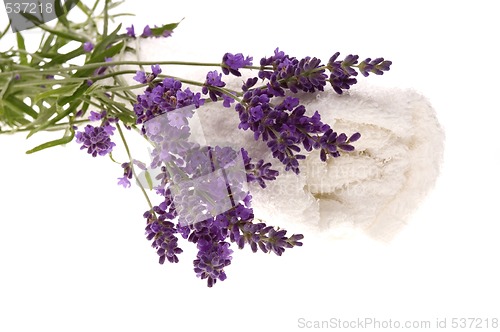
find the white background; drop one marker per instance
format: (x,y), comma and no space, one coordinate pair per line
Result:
(73,256)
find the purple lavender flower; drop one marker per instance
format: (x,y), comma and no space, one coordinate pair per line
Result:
(127,174)
(210,179)
(258,172)
(376,66)
(94,116)
(211,87)
(101,70)
(162,232)
(242,230)
(249,83)
(88,47)
(284,127)
(211,260)
(232,62)
(156,70)
(285,148)
(124,181)
(163,97)
(147,32)
(290,73)
(341,72)
(227,101)
(213,80)
(140,77)
(211,234)
(276,240)
(131,31)
(330,143)
(341,81)
(96,140)
(144,78)
(214,253)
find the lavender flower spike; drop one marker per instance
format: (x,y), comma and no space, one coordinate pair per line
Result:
(96,140)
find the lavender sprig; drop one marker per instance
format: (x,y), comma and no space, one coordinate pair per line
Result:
(185,211)
(97,140)
(284,127)
(342,72)
(161,230)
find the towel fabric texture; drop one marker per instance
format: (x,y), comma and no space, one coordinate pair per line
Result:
(373,189)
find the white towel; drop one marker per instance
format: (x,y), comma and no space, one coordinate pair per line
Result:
(373,189)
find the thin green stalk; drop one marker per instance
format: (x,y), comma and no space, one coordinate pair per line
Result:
(111,63)
(120,81)
(126,97)
(47,82)
(230,93)
(23,52)
(105,28)
(111,74)
(56,127)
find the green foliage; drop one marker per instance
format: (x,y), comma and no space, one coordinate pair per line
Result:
(43,90)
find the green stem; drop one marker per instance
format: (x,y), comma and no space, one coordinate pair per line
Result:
(20,52)
(105,28)
(258,67)
(129,94)
(47,82)
(196,83)
(126,97)
(105,64)
(59,126)
(126,88)
(230,93)
(112,74)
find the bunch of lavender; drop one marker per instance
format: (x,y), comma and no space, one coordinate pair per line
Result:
(203,192)
(203,188)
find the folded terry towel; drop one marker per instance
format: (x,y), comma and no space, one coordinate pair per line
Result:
(373,189)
